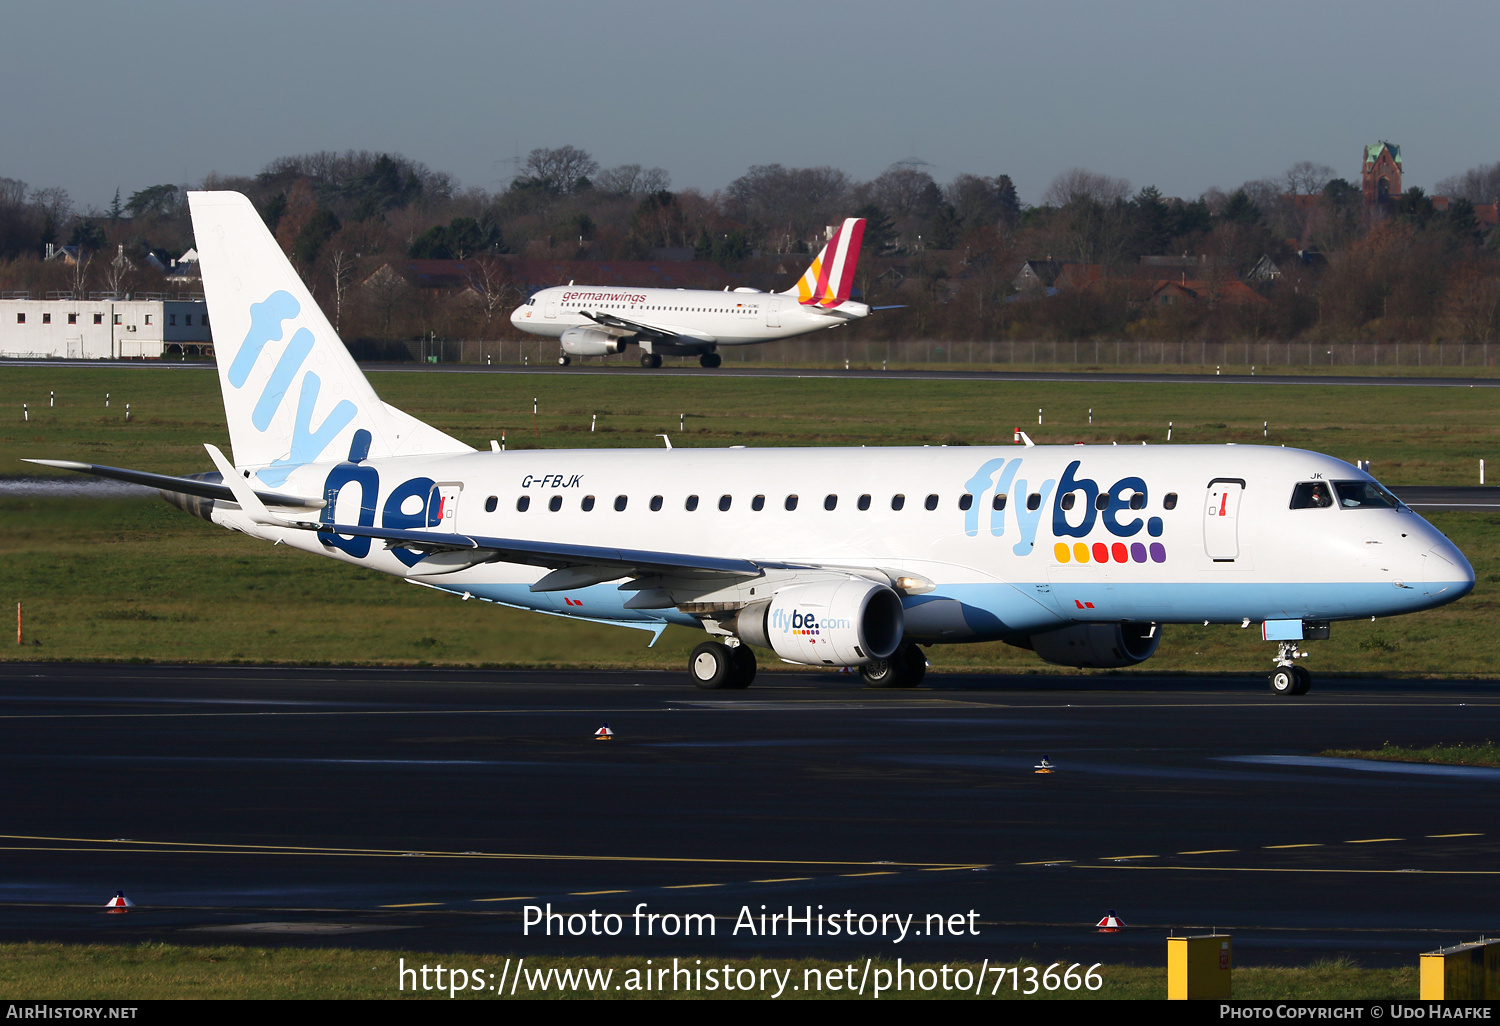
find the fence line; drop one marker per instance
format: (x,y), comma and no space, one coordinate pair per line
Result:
(824,352)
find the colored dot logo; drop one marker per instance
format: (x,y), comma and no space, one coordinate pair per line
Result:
(1119,552)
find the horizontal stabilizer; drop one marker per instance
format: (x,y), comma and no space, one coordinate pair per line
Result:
(186,485)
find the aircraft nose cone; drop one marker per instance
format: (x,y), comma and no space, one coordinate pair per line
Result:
(1446,573)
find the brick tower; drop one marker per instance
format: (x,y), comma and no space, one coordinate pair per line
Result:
(1381,174)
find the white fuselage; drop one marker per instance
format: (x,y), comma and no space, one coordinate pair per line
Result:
(1181,533)
(713,318)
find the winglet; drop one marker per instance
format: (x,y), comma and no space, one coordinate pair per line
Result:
(243,493)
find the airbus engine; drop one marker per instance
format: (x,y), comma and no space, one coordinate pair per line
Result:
(590,342)
(1098,645)
(837,623)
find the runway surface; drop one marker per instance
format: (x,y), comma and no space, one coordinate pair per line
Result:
(424,809)
(1060,375)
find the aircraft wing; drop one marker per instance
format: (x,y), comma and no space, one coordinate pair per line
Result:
(561,555)
(651,331)
(186,485)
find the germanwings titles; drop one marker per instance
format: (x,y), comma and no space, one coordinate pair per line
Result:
(826,557)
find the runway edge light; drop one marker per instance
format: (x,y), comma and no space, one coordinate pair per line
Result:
(603,733)
(119,903)
(1111,923)
(1044,766)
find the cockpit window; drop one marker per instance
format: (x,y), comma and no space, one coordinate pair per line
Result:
(1364,495)
(1311,495)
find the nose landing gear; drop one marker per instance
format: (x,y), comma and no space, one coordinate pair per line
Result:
(1288,678)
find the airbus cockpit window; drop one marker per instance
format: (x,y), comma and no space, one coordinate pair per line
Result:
(1364,495)
(1311,495)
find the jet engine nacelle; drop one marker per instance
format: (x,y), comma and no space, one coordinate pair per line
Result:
(837,623)
(1098,645)
(590,342)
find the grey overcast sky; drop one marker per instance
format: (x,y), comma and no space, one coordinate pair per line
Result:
(1183,95)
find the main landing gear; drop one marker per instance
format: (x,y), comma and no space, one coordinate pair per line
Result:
(710,360)
(904,668)
(718,667)
(1287,678)
(564,360)
(650,359)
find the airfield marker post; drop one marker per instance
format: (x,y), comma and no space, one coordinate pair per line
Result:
(25,413)
(1481,471)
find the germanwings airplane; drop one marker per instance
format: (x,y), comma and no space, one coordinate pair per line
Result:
(592,320)
(825,557)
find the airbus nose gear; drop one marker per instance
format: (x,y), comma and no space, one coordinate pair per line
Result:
(1288,678)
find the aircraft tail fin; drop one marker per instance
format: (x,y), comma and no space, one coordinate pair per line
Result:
(830,279)
(293,394)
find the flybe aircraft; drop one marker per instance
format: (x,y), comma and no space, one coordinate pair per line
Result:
(593,320)
(824,557)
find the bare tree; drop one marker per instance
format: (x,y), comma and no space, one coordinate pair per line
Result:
(565,167)
(492,287)
(1305,178)
(790,204)
(1081,184)
(78,275)
(632,180)
(1477,185)
(340,274)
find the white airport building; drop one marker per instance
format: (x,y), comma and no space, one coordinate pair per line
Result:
(102,328)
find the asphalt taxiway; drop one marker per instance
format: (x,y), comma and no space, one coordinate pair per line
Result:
(425,809)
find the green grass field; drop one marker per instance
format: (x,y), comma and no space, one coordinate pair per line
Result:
(141,580)
(1487,754)
(166,971)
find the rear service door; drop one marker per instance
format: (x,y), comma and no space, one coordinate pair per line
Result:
(1221,519)
(773,312)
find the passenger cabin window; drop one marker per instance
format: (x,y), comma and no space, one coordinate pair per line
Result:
(864,502)
(1138,500)
(1311,495)
(655,503)
(691,504)
(491,504)
(72,318)
(1364,495)
(620,502)
(898,501)
(831,502)
(1069,500)
(932,501)
(998,502)
(98,318)
(1170,502)
(523,504)
(966,500)
(791,502)
(1033,501)
(758,503)
(724,502)
(1101,501)
(46,318)
(588,503)
(555,503)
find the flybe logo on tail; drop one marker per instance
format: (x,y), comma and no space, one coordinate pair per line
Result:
(307,443)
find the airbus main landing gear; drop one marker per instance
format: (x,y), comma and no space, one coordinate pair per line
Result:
(710,360)
(903,668)
(1288,678)
(564,360)
(650,359)
(717,667)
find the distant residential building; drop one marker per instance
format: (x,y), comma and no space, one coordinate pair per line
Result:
(1037,274)
(102,328)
